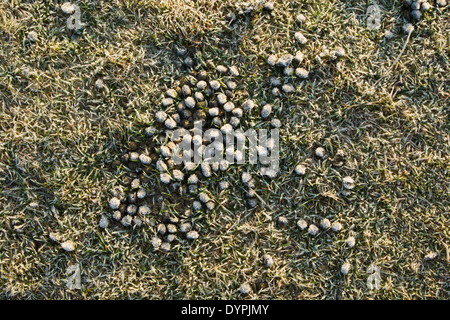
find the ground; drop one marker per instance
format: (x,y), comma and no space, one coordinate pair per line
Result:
(60,135)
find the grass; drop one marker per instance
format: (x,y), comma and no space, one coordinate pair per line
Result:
(60,136)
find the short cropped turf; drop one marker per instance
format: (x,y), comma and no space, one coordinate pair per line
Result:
(61,135)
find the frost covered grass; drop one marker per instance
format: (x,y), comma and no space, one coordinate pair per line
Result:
(70,102)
